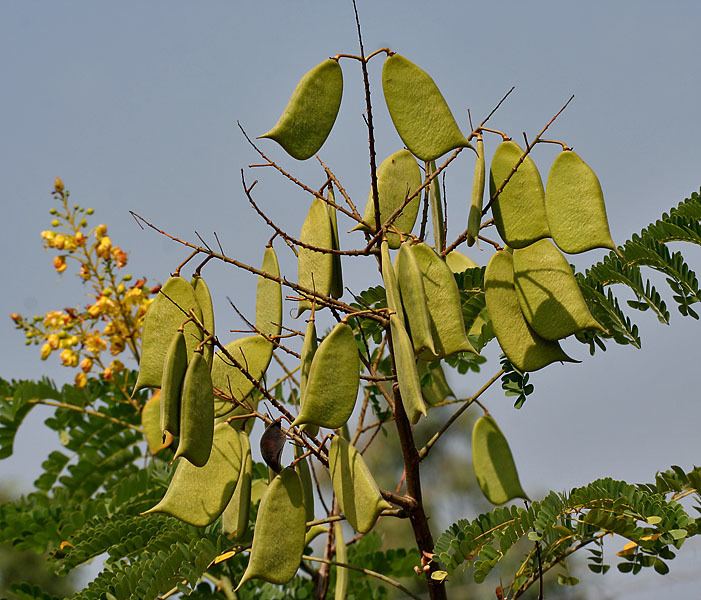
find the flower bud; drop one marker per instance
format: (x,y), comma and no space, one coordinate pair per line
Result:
(58,185)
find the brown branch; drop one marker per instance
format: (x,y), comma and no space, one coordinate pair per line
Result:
(340,188)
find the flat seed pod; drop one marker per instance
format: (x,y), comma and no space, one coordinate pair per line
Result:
(474,219)
(253,353)
(457,262)
(332,385)
(305,477)
(315,269)
(443,302)
(519,211)
(389,277)
(150,421)
(174,371)
(575,206)
(524,348)
(398,176)
(434,385)
(163,318)
(309,347)
(269,296)
(436,202)
(196,413)
(198,495)
(234,521)
(337,278)
(411,287)
(278,537)
(493,463)
(272,443)
(204,301)
(407,374)
(354,486)
(311,111)
(548,293)
(419,112)
(341,587)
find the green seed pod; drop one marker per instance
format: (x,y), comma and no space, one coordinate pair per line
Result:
(337,278)
(493,463)
(305,476)
(356,490)
(150,421)
(474,219)
(278,537)
(269,296)
(234,521)
(204,301)
(174,371)
(436,202)
(458,262)
(443,302)
(342,557)
(253,353)
(411,286)
(434,385)
(419,112)
(314,532)
(334,378)
(407,374)
(524,348)
(310,112)
(196,413)
(315,269)
(548,293)
(398,176)
(198,495)
(163,318)
(389,277)
(519,211)
(308,350)
(575,206)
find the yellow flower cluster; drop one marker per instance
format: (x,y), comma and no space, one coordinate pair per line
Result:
(111,322)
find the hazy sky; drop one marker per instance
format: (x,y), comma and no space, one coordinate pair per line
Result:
(134,104)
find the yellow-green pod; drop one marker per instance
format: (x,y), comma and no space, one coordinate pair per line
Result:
(524,348)
(411,287)
(305,476)
(337,278)
(258,489)
(389,278)
(150,421)
(519,211)
(196,413)
(493,463)
(398,177)
(172,384)
(314,532)
(457,262)
(575,206)
(315,269)
(436,202)
(341,587)
(474,219)
(234,522)
(434,385)
(204,301)
(278,537)
(309,347)
(311,111)
(443,302)
(254,354)
(419,112)
(198,495)
(164,317)
(269,296)
(334,378)
(355,488)
(548,293)
(407,374)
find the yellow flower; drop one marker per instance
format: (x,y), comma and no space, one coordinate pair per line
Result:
(104,247)
(58,185)
(80,238)
(86,364)
(119,256)
(53,341)
(45,351)
(94,343)
(107,374)
(48,235)
(100,231)
(60,263)
(59,241)
(69,358)
(81,380)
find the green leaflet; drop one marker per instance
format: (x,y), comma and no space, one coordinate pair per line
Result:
(308,350)
(398,177)
(174,371)
(204,301)
(389,277)
(434,385)
(269,296)
(437,216)
(337,276)
(443,302)
(278,537)
(342,557)
(519,211)
(457,262)
(196,413)
(332,384)
(493,463)
(356,490)
(150,421)
(407,374)
(305,477)
(524,348)
(315,269)
(548,293)
(575,206)
(254,354)
(163,318)
(234,520)
(198,495)
(419,112)
(411,286)
(474,219)
(310,112)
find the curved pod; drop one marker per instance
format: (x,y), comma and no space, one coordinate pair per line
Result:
(315,269)
(269,296)
(172,384)
(474,219)
(411,287)
(204,301)
(234,521)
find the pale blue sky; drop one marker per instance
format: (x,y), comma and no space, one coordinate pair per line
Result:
(134,104)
